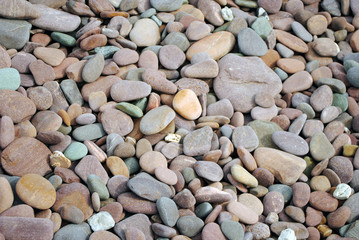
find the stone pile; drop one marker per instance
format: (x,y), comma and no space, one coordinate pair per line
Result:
(172,119)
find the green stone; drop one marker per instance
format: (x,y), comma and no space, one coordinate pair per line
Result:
(9,79)
(264,131)
(246,3)
(262,27)
(95,184)
(177,38)
(348,64)
(344,229)
(190,225)
(132,165)
(130,109)
(307,109)
(76,151)
(203,210)
(232,230)
(107,51)
(148,13)
(285,190)
(320,147)
(65,129)
(156,20)
(141,104)
(222,27)
(340,100)
(211,98)
(281,74)
(135,74)
(310,165)
(188,174)
(14,33)
(64,39)
(89,132)
(335,84)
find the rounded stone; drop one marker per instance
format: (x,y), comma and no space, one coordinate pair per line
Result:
(76,151)
(290,142)
(9,78)
(189,225)
(208,170)
(145,33)
(250,43)
(151,160)
(7,196)
(273,202)
(95,184)
(36,191)
(171,57)
(232,230)
(167,210)
(156,120)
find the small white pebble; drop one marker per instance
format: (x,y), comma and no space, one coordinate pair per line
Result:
(342,192)
(171,137)
(287,234)
(101,221)
(227,14)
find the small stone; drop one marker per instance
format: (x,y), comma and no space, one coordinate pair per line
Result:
(167,210)
(342,191)
(73,231)
(290,142)
(208,170)
(156,120)
(7,197)
(93,68)
(95,184)
(241,175)
(14,33)
(187,104)
(250,43)
(287,234)
(198,142)
(101,221)
(232,230)
(189,225)
(145,33)
(320,147)
(245,214)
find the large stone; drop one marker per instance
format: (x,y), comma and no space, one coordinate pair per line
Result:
(286,167)
(18,9)
(26,155)
(216,45)
(241,78)
(55,20)
(22,228)
(139,221)
(14,33)
(198,142)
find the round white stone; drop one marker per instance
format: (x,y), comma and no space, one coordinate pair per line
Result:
(342,191)
(101,221)
(287,234)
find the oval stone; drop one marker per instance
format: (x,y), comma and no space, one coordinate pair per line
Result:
(36,191)
(290,142)
(216,45)
(26,155)
(156,120)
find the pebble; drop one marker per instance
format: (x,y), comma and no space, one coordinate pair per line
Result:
(14,33)
(320,147)
(232,230)
(187,104)
(198,142)
(73,231)
(36,191)
(76,151)
(250,43)
(7,199)
(208,170)
(290,142)
(101,221)
(145,33)
(189,225)
(168,211)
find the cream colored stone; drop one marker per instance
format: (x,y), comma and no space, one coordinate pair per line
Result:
(241,175)
(187,104)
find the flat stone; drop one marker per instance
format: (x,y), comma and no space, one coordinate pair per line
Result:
(9,79)
(139,221)
(216,45)
(34,155)
(290,142)
(156,120)
(73,231)
(264,131)
(291,41)
(323,201)
(320,147)
(166,5)
(134,204)
(168,211)
(208,170)
(8,198)
(300,230)
(245,214)
(233,80)
(75,194)
(16,106)
(147,187)
(55,20)
(145,33)
(187,104)
(91,165)
(189,225)
(198,142)
(250,43)
(25,227)
(93,68)
(158,81)
(76,151)
(116,121)
(286,167)
(126,90)
(14,33)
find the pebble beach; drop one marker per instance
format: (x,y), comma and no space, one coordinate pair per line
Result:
(179,119)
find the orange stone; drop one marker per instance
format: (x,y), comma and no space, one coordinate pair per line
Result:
(117,166)
(271,58)
(36,191)
(291,41)
(290,65)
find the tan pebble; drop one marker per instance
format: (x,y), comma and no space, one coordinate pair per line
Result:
(7,196)
(65,117)
(36,191)
(241,175)
(95,200)
(58,159)
(245,214)
(213,125)
(166,175)
(117,166)
(74,71)
(317,24)
(151,160)
(125,150)
(74,111)
(56,220)
(71,213)
(96,100)
(324,230)
(290,65)
(51,56)
(187,104)
(44,214)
